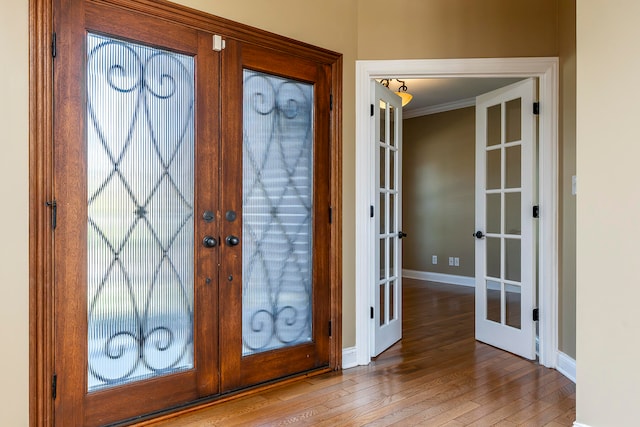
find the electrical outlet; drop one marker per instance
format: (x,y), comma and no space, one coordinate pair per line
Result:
(456,262)
(434,259)
(451,261)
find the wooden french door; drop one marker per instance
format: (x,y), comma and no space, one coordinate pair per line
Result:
(192,220)
(274,281)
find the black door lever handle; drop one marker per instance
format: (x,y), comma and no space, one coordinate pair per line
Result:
(478,235)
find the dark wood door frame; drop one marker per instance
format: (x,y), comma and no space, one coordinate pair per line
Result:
(41,192)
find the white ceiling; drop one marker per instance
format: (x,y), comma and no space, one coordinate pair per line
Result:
(434,92)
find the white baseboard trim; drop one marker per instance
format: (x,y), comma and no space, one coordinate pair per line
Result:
(440,277)
(567,367)
(577,424)
(349,358)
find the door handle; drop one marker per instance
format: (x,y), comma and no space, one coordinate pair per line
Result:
(209,242)
(402,235)
(478,235)
(232,240)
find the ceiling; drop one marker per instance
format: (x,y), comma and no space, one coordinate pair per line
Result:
(432,93)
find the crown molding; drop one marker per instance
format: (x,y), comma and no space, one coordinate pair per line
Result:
(440,108)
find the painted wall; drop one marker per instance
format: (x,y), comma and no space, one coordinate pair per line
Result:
(608,206)
(567,164)
(14,216)
(438,188)
(404,29)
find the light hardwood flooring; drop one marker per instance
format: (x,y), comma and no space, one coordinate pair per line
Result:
(437,375)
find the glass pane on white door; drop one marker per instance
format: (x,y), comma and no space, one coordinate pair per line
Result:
(513,302)
(388,209)
(277,212)
(503,212)
(140,162)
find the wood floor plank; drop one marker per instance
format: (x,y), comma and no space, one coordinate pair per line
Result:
(492,413)
(438,412)
(553,412)
(437,375)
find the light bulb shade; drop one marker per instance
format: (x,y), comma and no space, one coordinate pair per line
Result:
(406,97)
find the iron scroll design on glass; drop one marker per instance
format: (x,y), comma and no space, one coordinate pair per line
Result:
(277,212)
(140,105)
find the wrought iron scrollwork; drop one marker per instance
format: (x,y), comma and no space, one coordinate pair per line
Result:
(140,211)
(277,212)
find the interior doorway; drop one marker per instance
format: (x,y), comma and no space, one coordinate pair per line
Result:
(546,70)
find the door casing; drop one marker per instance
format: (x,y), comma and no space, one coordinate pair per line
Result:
(546,70)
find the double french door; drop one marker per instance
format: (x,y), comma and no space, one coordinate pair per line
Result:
(192,187)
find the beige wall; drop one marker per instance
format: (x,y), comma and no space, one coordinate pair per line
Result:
(438,190)
(567,161)
(14,214)
(608,206)
(403,29)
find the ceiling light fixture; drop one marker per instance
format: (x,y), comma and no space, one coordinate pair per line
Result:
(401,92)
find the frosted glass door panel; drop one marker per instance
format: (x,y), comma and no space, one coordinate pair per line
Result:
(277,212)
(140,162)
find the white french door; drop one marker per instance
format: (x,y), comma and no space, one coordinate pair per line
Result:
(505,227)
(387,280)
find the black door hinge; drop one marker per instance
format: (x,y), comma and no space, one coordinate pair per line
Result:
(331,101)
(371,313)
(536,108)
(536,315)
(330,328)
(371,110)
(54,213)
(536,211)
(372,211)
(54,386)
(54,47)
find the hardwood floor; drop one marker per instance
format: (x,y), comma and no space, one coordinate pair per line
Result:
(438,375)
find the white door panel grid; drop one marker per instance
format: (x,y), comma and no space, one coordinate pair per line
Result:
(387,280)
(505,227)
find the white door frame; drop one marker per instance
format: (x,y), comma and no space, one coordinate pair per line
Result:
(546,70)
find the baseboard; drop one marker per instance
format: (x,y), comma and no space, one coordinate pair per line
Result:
(577,424)
(440,277)
(567,367)
(349,358)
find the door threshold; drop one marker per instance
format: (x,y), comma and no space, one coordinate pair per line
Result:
(201,404)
